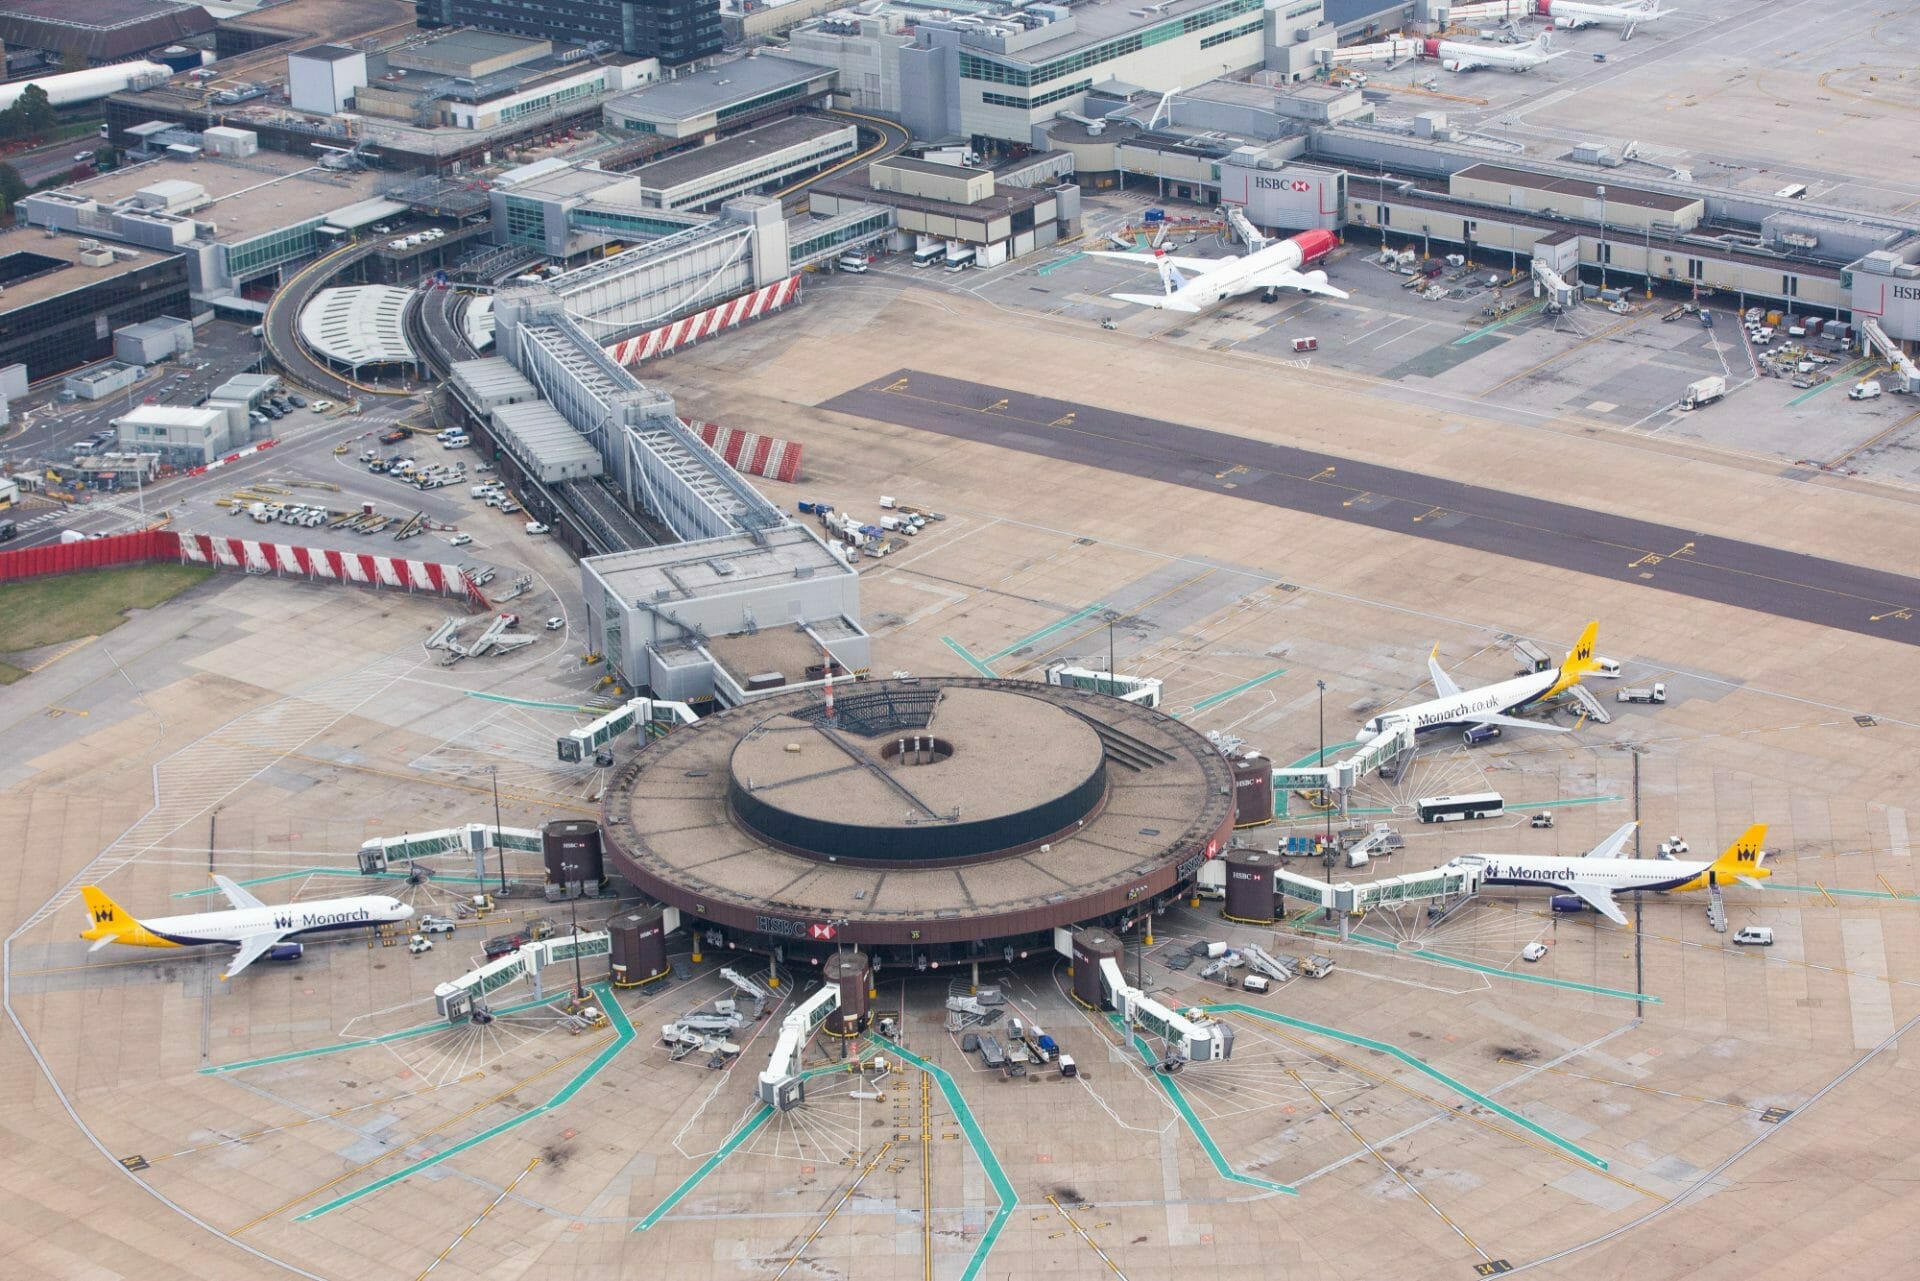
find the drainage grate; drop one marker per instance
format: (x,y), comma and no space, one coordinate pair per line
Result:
(1865,722)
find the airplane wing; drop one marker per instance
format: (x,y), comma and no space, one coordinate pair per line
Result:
(1195,265)
(1751,883)
(1600,900)
(252,948)
(1611,847)
(235,895)
(1308,282)
(1512,722)
(1443,685)
(1162,302)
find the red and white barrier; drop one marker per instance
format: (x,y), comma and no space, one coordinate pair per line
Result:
(749,453)
(704,324)
(243,554)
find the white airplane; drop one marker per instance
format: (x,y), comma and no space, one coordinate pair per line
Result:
(1489,705)
(1270,267)
(1602,873)
(1573,15)
(1457,55)
(253,927)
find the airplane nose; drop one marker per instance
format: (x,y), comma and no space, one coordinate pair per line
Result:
(406,911)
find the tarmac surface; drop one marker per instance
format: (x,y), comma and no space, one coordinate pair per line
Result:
(1769,580)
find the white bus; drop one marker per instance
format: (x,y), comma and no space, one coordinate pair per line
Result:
(1444,809)
(932,256)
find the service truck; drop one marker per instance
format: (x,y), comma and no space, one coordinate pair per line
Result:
(1656,693)
(1704,392)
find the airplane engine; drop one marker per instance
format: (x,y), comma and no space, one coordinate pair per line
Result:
(1574,24)
(286,951)
(1457,64)
(1317,277)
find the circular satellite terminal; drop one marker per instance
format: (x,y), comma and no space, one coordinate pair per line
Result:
(921,811)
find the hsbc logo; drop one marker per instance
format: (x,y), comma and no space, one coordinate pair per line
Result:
(1907,293)
(821,933)
(1281,184)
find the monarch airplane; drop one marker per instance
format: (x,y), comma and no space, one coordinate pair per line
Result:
(251,926)
(1602,873)
(1492,705)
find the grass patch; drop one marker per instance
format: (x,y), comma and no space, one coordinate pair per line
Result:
(49,611)
(9,673)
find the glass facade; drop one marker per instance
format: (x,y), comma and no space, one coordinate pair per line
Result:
(674,31)
(1026,75)
(526,222)
(801,249)
(632,224)
(1039,99)
(253,257)
(74,328)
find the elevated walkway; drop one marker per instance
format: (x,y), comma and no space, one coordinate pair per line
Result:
(458,998)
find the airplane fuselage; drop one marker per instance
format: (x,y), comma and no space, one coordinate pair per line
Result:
(1236,276)
(1505,696)
(289,921)
(1571,14)
(1456,55)
(1615,875)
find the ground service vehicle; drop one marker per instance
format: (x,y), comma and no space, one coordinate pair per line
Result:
(1533,952)
(1754,936)
(1656,694)
(1445,809)
(1704,392)
(853,263)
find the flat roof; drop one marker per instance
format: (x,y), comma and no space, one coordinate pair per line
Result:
(909,164)
(466,46)
(1639,197)
(328,53)
(71,277)
(1004,200)
(100,31)
(686,166)
(248,199)
(714,566)
(568,181)
(545,438)
(1094,23)
(701,93)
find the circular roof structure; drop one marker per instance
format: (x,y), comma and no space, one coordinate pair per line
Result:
(358,325)
(934,810)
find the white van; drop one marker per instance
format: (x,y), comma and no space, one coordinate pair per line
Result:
(853,263)
(1606,667)
(455,442)
(1754,936)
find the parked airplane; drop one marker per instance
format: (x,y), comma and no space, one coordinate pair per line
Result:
(1602,873)
(1489,705)
(253,927)
(1573,15)
(1456,55)
(1272,267)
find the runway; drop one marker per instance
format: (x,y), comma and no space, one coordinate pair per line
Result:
(1767,580)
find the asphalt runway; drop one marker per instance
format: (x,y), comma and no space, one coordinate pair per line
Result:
(1764,579)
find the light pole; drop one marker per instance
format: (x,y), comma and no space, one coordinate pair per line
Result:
(1326,791)
(1602,193)
(499,844)
(1113,676)
(573,915)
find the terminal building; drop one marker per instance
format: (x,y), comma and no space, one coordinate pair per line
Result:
(761,159)
(674,31)
(721,99)
(62,296)
(238,223)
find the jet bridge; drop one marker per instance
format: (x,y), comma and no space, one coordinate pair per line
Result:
(781,1085)
(475,838)
(1193,1037)
(581,744)
(458,998)
(1380,752)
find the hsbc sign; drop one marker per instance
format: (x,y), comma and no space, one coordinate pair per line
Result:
(1261,183)
(822,933)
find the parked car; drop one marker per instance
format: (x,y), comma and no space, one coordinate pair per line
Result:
(419,943)
(322,406)
(461,540)
(506,944)
(1754,936)
(298,402)
(535,527)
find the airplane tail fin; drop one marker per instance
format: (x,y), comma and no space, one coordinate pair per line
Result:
(1170,278)
(107,921)
(1743,859)
(1579,660)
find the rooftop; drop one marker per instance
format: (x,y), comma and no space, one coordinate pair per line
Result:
(1095,23)
(35,266)
(703,92)
(359,325)
(330,53)
(907,164)
(466,47)
(686,166)
(270,190)
(1004,200)
(545,437)
(102,30)
(714,566)
(1615,193)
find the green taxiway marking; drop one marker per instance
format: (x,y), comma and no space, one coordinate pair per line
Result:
(1464,1090)
(982,1150)
(533,702)
(1194,1123)
(1052,267)
(1771,884)
(424,1029)
(351,873)
(1518,313)
(1214,699)
(966,656)
(1441,958)
(1845,375)
(760,1117)
(1047,631)
(707,1167)
(624,1029)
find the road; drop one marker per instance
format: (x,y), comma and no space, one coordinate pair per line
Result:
(283,318)
(1767,580)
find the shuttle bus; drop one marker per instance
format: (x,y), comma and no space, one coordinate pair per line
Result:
(1445,809)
